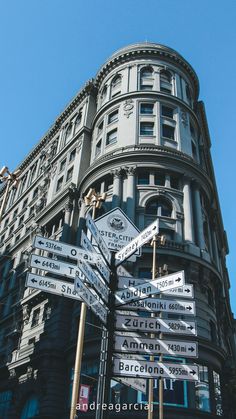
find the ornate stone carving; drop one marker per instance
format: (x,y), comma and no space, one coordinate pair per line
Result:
(130,170)
(117,172)
(128,107)
(25,313)
(184,118)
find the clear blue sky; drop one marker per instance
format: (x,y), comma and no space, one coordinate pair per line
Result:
(49,48)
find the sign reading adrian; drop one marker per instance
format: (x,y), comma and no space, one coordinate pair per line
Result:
(116,229)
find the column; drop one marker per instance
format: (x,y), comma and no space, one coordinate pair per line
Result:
(81,221)
(116,188)
(130,193)
(188,212)
(198,217)
(67,222)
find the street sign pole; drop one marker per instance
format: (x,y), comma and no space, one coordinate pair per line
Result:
(151,382)
(105,371)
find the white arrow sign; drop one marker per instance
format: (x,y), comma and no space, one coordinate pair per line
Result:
(154,325)
(155,305)
(94,280)
(54,266)
(186,291)
(87,245)
(150,369)
(97,236)
(155,286)
(144,237)
(91,299)
(52,285)
(63,249)
(138,344)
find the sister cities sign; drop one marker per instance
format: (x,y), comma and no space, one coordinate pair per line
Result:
(150,369)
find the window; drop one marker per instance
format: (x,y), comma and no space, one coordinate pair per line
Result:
(62,165)
(165,81)
(113,117)
(100,128)
(194,150)
(68,132)
(146,78)
(33,171)
(35,318)
(25,202)
(217,393)
(21,220)
(213,332)
(188,95)
(78,120)
(146,108)
(159,207)
(202,390)
(17,238)
(143,179)
(206,235)
(35,193)
(147,128)
(98,148)
(111,137)
(59,184)
(116,86)
(167,111)
(192,131)
(30,409)
(23,184)
(168,131)
(6,222)
(15,213)
(72,155)
(145,273)
(159,179)
(174,182)
(104,93)
(31,211)
(210,297)
(11,229)
(69,174)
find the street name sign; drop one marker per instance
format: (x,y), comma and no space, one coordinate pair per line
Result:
(87,245)
(160,305)
(154,325)
(66,250)
(155,286)
(91,299)
(127,281)
(52,285)
(143,345)
(116,229)
(152,369)
(97,236)
(138,384)
(94,280)
(144,237)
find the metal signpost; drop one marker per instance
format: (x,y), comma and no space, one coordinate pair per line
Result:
(95,289)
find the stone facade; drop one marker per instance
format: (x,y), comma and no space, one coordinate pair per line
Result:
(139,132)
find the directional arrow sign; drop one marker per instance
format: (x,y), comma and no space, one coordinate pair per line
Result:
(150,369)
(55,266)
(159,305)
(154,325)
(152,287)
(87,245)
(94,280)
(97,236)
(138,344)
(144,237)
(139,384)
(127,282)
(91,299)
(65,250)
(52,285)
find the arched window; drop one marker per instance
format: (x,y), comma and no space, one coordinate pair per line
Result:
(104,93)
(116,86)
(31,408)
(68,132)
(146,78)
(188,95)
(165,81)
(159,207)
(78,120)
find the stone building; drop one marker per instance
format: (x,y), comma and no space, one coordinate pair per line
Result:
(138,132)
